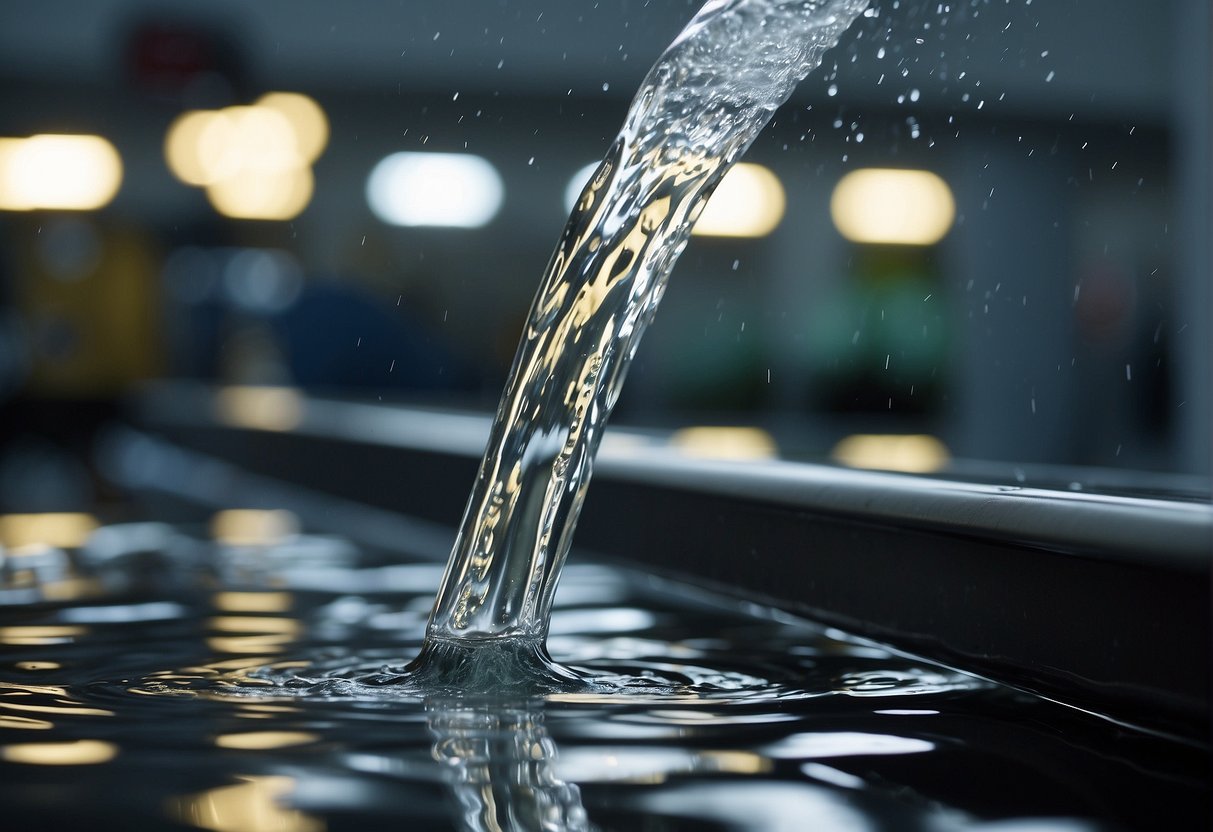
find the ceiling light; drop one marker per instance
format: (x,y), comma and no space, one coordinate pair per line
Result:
(901,207)
(456,190)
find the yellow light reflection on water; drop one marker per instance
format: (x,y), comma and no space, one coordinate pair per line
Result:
(264,740)
(900,207)
(77,753)
(38,635)
(252,601)
(254,624)
(58,172)
(749,202)
(251,806)
(724,443)
(910,453)
(261,646)
(24,722)
(259,635)
(260,408)
(64,529)
(253,527)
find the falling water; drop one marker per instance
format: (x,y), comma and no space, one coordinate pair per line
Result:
(695,114)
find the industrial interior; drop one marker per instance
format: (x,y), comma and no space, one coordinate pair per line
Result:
(939,346)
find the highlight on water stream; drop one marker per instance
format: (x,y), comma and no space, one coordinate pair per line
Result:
(697,111)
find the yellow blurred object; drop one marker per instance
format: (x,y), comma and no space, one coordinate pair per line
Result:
(31,635)
(253,527)
(911,453)
(63,529)
(263,193)
(260,408)
(250,806)
(58,172)
(76,753)
(892,206)
(262,740)
(748,202)
(307,120)
(725,443)
(252,601)
(88,291)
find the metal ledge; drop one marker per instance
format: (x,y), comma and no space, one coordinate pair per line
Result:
(1099,601)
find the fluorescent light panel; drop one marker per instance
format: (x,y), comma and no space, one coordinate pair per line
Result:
(454,190)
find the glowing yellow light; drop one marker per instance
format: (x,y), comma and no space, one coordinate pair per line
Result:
(913,453)
(250,805)
(260,408)
(10,199)
(245,139)
(306,118)
(252,601)
(734,762)
(249,645)
(77,753)
(254,161)
(748,202)
(254,624)
(262,740)
(31,635)
(258,194)
(66,529)
(903,207)
(253,527)
(64,173)
(456,190)
(25,723)
(184,149)
(724,443)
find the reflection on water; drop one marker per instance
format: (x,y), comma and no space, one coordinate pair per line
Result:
(698,109)
(261,740)
(73,753)
(254,805)
(240,688)
(498,759)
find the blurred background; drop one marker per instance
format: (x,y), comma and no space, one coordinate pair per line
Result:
(975,242)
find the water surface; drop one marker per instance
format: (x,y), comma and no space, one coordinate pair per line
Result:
(251,687)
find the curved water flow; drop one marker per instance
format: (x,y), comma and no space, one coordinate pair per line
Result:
(697,111)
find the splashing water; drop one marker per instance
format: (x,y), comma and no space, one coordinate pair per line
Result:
(697,111)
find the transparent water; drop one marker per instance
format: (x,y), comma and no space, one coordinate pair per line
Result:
(289,687)
(698,109)
(180,686)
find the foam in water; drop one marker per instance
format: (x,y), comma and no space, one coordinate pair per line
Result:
(697,111)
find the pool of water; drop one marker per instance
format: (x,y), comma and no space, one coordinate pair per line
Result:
(157,679)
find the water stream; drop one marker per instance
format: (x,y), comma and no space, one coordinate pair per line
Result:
(697,111)
(151,679)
